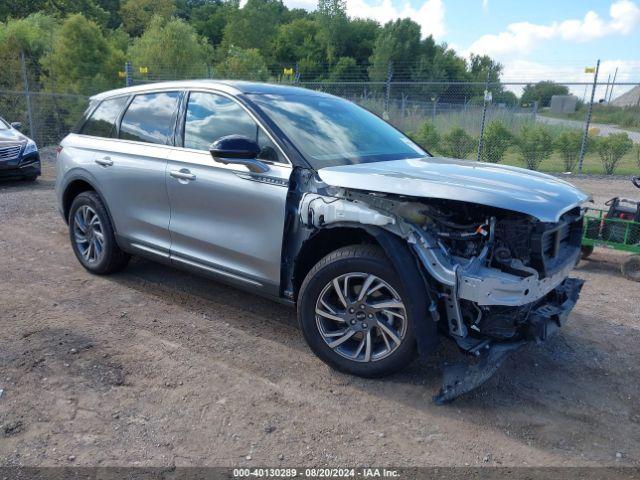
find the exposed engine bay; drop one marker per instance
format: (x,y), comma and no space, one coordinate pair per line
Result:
(498,279)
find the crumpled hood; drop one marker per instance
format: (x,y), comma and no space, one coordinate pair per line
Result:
(537,194)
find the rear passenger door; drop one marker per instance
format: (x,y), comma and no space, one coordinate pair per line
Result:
(133,171)
(226,220)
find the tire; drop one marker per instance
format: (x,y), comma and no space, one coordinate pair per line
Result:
(586,250)
(631,268)
(108,257)
(30,178)
(357,264)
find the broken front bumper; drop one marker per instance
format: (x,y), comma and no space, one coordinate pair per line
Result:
(543,321)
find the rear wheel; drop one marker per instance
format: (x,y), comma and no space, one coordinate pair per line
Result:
(30,178)
(92,236)
(631,268)
(354,313)
(587,250)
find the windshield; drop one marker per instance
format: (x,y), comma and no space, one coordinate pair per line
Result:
(330,131)
(4,125)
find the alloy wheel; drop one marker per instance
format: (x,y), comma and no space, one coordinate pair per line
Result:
(361,317)
(88,234)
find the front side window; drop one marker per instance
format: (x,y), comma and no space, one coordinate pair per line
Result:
(330,131)
(101,123)
(150,118)
(211,116)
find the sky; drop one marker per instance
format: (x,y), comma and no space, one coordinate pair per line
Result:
(533,39)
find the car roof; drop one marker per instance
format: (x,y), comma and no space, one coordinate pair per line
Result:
(233,87)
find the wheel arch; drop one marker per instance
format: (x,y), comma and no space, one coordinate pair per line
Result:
(323,242)
(75,187)
(401,256)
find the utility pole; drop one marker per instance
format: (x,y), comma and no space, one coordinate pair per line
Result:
(606,90)
(585,135)
(27,96)
(387,95)
(487,99)
(128,74)
(613,84)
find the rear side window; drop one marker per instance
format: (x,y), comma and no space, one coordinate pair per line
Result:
(101,123)
(150,118)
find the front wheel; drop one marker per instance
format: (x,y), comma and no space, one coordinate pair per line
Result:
(354,313)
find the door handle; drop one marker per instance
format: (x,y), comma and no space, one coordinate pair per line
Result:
(182,174)
(104,161)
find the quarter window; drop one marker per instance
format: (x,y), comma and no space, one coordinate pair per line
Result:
(101,123)
(211,116)
(150,118)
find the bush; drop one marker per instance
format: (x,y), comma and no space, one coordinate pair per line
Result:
(427,137)
(611,150)
(535,145)
(638,156)
(457,143)
(568,144)
(497,139)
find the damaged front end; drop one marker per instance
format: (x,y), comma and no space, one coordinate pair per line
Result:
(496,279)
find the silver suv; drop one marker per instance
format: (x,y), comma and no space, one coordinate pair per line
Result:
(315,202)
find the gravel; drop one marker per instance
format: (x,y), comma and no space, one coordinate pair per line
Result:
(236,363)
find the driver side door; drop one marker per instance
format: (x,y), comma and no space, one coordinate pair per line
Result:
(225,220)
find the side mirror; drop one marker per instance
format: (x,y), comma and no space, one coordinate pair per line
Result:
(16,125)
(238,150)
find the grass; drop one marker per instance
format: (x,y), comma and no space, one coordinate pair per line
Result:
(471,119)
(592,164)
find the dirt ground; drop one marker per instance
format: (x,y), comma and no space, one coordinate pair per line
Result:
(157,367)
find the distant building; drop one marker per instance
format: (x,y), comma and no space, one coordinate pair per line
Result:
(563,103)
(629,99)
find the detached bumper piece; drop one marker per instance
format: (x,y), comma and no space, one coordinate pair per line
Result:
(544,320)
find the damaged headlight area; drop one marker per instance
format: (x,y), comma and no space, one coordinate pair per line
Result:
(499,278)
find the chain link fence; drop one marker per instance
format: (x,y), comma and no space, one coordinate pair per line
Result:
(488,121)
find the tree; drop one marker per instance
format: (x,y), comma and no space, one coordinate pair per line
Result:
(611,150)
(345,70)
(542,92)
(81,59)
(397,43)
(171,47)
(297,40)
(535,145)
(360,39)
(21,9)
(497,139)
(568,144)
(427,137)
(137,14)
(210,19)
(96,10)
(245,64)
(254,26)
(457,143)
(334,24)
(33,36)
